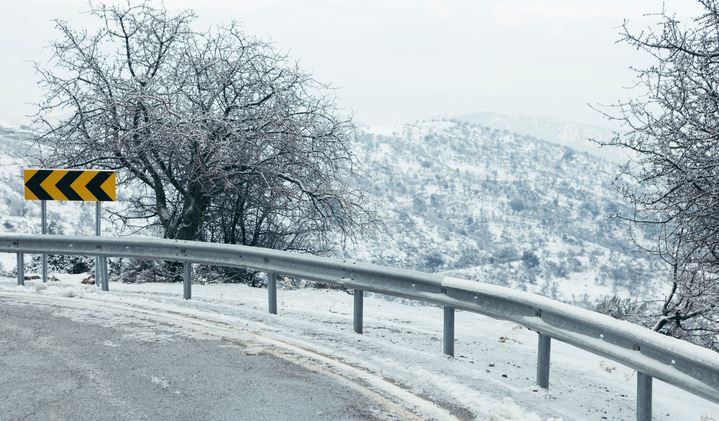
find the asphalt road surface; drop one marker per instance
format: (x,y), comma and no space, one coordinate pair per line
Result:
(53,368)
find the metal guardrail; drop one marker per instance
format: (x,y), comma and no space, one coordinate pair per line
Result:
(653,355)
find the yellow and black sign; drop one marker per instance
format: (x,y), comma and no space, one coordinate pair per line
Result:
(81,185)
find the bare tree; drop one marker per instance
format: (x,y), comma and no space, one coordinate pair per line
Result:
(220,136)
(689,309)
(672,130)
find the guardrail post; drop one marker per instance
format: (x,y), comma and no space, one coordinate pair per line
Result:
(358,310)
(272,292)
(105,278)
(187,280)
(544,346)
(20,269)
(644,397)
(448,345)
(97,271)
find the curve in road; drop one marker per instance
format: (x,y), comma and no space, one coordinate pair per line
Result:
(52,367)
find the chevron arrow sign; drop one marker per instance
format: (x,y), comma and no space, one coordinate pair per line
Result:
(80,185)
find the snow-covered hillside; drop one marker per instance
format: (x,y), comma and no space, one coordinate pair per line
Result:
(500,207)
(14,147)
(481,203)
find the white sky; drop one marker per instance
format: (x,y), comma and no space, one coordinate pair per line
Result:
(396,61)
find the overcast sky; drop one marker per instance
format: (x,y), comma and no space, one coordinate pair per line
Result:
(396,61)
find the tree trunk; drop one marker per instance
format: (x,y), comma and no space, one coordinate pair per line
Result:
(194,207)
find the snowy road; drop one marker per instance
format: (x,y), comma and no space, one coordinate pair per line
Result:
(56,368)
(397,364)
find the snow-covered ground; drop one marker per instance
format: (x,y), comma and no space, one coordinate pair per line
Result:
(398,357)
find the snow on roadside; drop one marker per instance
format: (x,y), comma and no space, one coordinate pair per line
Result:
(491,376)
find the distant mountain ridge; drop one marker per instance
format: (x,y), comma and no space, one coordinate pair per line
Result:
(554,130)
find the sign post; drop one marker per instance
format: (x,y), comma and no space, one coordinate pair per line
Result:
(43,221)
(72,185)
(100,261)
